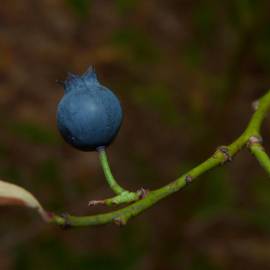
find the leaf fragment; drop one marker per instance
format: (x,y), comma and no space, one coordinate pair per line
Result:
(11,194)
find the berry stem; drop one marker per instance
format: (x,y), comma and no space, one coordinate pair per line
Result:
(108,173)
(122,195)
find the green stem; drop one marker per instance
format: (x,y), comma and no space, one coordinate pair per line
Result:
(221,155)
(259,152)
(108,173)
(122,195)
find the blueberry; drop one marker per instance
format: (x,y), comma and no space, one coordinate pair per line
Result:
(89,115)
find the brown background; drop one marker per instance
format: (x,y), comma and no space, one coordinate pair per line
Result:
(186,73)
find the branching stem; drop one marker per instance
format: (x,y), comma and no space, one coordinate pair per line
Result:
(122,195)
(256,148)
(221,155)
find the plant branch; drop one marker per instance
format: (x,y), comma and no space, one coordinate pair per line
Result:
(122,195)
(220,156)
(256,148)
(107,172)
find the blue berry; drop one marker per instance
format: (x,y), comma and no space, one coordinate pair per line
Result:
(89,115)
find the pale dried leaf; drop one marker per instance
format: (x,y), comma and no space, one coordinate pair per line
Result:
(11,194)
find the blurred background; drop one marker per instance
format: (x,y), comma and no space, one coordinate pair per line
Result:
(186,73)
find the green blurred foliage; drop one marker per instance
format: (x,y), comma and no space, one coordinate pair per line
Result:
(193,55)
(158,99)
(262,48)
(124,6)
(204,19)
(218,197)
(80,7)
(202,262)
(136,44)
(56,255)
(49,171)
(33,133)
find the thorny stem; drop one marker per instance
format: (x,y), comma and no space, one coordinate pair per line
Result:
(220,156)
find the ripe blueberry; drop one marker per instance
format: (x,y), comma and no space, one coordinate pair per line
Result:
(89,115)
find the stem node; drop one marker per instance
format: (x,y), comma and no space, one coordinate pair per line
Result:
(188,179)
(67,224)
(226,153)
(119,221)
(255,139)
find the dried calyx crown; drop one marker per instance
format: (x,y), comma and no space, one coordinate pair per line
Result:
(76,82)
